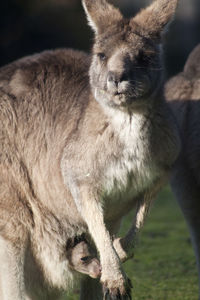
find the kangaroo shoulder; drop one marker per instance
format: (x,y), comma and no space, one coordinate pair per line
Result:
(35,71)
(192,66)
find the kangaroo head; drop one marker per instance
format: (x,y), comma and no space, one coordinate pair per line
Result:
(126,65)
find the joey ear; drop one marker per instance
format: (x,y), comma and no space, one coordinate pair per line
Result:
(100,14)
(155,18)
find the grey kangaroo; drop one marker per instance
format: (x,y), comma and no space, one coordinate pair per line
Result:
(183,94)
(83,139)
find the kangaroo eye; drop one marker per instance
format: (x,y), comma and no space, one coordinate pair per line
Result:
(101,56)
(144,58)
(141,57)
(86,259)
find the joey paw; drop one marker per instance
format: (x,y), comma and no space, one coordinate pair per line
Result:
(119,245)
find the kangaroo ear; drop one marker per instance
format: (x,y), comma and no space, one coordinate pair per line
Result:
(100,14)
(155,18)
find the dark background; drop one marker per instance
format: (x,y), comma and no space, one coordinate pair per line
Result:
(29,26)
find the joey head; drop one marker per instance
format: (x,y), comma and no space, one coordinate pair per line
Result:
(82,258)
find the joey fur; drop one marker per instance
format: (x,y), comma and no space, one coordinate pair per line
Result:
(84,138)
(183,94)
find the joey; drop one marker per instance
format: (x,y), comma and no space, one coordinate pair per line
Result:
(82,257)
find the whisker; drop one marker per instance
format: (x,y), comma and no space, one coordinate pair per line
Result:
(151,69)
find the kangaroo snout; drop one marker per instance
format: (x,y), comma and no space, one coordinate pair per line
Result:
(117,83)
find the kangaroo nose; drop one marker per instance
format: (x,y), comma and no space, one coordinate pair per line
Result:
(116,82)
(112,82)
(112,78)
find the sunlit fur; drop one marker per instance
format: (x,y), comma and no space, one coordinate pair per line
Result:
(83,139)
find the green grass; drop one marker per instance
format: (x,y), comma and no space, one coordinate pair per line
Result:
(164,265)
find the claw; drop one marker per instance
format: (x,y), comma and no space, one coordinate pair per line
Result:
(129,283)
(129,296)
(106,294)
(118,295)
(110,296)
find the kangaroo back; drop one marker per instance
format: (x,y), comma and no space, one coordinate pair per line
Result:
(183,94)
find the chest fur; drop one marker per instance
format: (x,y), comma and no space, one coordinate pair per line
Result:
(133,168)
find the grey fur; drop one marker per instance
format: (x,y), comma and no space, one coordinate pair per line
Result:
(78,151)
(183,94)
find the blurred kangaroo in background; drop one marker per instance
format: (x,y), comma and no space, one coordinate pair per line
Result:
(183,94)
(83,139)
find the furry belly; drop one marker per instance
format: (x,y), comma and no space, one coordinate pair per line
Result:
(123,189)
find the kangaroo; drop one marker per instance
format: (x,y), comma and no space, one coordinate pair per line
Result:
(183,94)
(84,138)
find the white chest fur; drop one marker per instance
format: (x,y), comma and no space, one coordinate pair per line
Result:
(134,169)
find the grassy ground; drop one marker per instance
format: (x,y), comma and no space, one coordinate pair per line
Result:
(164,264)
